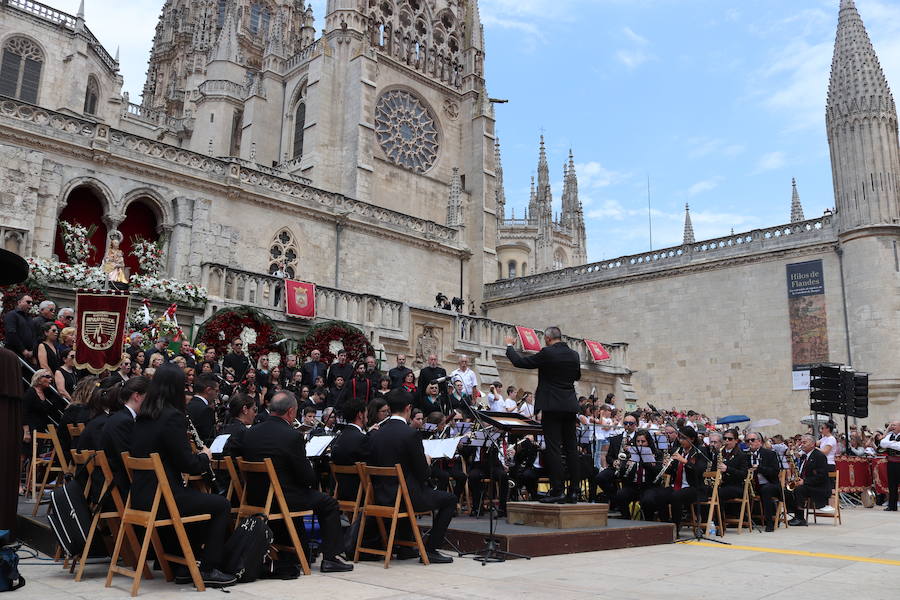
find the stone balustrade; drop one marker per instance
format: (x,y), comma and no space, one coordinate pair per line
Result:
(43,11)
(223,87)
(302,56)
(792,235)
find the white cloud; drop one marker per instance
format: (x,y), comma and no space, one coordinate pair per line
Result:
(609,209)
(705,185)
(593,175)
(771,162)
(634,37)
(633,58)
(705,146)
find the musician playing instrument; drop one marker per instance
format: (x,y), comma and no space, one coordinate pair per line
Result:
(487,464)
(686,467)
(201,407)
(637,477)
(811,481)
(890,444)
(351,447)
(445,469)
(734,466)
(606,479)
(766,468)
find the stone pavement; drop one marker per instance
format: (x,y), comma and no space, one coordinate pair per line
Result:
(670,571)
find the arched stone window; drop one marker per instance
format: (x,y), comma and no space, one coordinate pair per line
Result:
(221,13)
(283,256)
(85,206)
(259,18)
(91,96)
(299,125)
(20,70)
(560,261)
(524,269)
(511,269)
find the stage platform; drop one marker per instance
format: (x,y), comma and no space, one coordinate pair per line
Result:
(468,534)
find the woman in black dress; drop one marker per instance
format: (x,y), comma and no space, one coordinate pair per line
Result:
(64,377)
(78,411)
(47,355)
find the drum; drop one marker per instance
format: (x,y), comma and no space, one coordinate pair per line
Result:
(855,473)
(879,474)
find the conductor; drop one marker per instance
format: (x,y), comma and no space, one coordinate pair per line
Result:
(556,404)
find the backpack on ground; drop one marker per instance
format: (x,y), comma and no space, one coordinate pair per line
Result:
(69,515)
(248,548)
(10,578)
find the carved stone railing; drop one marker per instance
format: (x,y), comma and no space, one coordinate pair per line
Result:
(812,231)
(57,17)
(274,171)
(223,87)
(516,223)
(302,56)
(471,334)
(234,286)
(272,183)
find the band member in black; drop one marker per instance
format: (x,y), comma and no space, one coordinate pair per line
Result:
(523,471)
(890,444)
(202,409)
(116,435)
(559,367)
(636,476)
(351,447)
(487,465)
(811,482)
(395,442)
(766,469)
(161,427)
(276,438)
(686,468)
(606,479)
(733,468)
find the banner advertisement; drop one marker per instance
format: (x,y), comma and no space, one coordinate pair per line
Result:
(598,352)
(528,338)
(807,317)
(102,317)
(300,299)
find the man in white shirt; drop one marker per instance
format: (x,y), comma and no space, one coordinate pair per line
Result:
(891,444)
(465,374)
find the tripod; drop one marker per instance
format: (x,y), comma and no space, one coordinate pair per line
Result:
(491,552)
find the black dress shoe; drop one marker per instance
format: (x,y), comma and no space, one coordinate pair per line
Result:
(770,526)
(406,553)
(437,558)
(889,509)
(334,565)
(553,498)
(797,522)
(571,498)
(182,575)
(217,579)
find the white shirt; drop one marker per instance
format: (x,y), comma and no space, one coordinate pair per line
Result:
(828,440)
(468,377)
(133,413)
(358,427)
(891,440)
(527,410)
(398,418)
(754,462)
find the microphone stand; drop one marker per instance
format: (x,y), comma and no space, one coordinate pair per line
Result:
(491,553)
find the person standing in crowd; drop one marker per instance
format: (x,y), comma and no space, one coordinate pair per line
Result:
(209,356)
(828,444)
(236,360)
(313,369)
(19,334)
(384,387)
(337,393)
(124,371)
(290,365)
(466,375)
(187,353)
(262,372)
(890,443)
(66,341)
(135,345)
(372,372)
(65,318)
(559,367)
(399,372)
(339,369)
(65,378)
(431,372)
(276,438)
(46,314)
(160,348)
(360,385)
(47,356)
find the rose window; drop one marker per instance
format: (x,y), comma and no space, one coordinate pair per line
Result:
(406,131)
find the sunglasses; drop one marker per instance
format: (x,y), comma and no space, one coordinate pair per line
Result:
(729,439)
(629,422)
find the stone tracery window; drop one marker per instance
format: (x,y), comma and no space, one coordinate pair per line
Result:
(283,256)
(20,70)
(406,131)
(91,96)
(560,261)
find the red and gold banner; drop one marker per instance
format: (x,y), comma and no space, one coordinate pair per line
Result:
(101,329)
(528,338)
(598,352)
(300,299)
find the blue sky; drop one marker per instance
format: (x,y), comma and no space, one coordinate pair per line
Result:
(719,102)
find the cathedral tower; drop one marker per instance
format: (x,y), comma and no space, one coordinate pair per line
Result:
(861,119)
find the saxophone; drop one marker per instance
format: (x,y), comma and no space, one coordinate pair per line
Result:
(720,460)
(623,456)
(793,475)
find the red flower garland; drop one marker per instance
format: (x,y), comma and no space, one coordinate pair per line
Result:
(320,337)
(232,321)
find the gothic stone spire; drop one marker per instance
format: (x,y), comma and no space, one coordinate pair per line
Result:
(796,207)
(500,193)
(227,47)
(861,119)
(688,226)
(454,203)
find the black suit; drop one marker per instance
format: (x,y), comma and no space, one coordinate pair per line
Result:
(350,447)
(429,374)
(116,439)
(204,418)
(736,465)
(344,370)
(275,438)
(238,362)
(167,436)
(606,478)
(393,443)
(559,367)
(676,496)
(768,467)
(813,469)
(397,374)
(311,370)
(90,437)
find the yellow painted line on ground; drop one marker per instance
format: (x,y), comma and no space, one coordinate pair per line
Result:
(879,561)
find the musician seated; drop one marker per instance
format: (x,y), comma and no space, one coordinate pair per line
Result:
(242,411)
(417,421)
(102,403)
(351,447)
(445,469)
(734,466)
(686,469)
(376,412)
(161,427)
(524,470)
(486,464)
(276,438)
(117,433)
(396,443)
(326,426)
(310,420)
(201,408)
(637,477)
(606,478)
(765,477)
(811,481)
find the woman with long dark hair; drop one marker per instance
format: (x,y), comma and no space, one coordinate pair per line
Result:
(161,428)
(103,401)
(78,411)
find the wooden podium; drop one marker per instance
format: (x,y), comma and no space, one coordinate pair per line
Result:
(557,516)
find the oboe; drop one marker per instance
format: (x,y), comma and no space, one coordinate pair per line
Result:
(209,476)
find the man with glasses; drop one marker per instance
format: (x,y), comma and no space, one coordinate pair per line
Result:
(20,337)
(46,314)
(766,468)
(811,481)
(236,360)
(606,479)
(65,318)
(734,466)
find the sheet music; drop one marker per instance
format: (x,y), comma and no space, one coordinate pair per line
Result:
(641,454)
(316,445)
(218,444)
(445,448)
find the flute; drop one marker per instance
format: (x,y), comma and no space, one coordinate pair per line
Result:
(378,424)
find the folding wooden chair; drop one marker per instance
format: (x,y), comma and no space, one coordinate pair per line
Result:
(743,517)
(834,502)
(756,507)
(715,508)
(150,521)
(348,506)
(50,464)
(253,471)
(75,431)
(402,508)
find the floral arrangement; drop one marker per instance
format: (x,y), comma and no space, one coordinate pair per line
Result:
(10,292)
(170,290)
(45,271)
(148,255)
(228,323)
(153,328)
(76,241)
(331,336)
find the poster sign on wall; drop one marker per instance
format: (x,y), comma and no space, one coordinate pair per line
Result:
(807,317)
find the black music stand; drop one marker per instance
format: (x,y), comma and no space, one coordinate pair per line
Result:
(503,422)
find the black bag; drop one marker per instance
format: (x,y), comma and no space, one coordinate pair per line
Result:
(282,568)
(69,516)
(248,548)
(351,533)
(10,578)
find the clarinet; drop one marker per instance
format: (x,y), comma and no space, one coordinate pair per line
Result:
(209,475)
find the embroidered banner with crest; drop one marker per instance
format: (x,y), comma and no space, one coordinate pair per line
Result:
(101,329)
(300,299)
(528,338)
(598,352)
